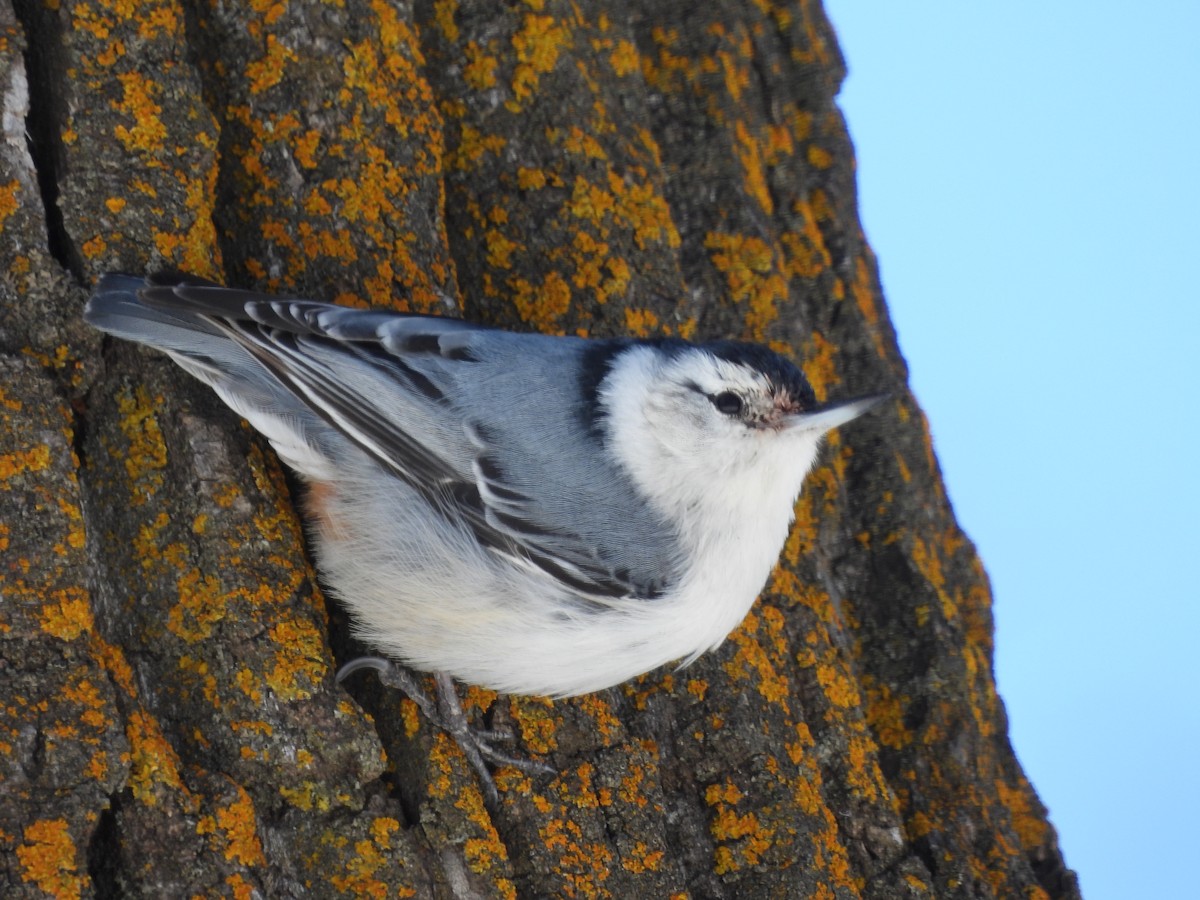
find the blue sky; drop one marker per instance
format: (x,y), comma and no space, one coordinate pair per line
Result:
(1028,176)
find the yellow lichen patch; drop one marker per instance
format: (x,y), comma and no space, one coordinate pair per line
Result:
(76,536)
(480,69)
(112,658)
(640,858)
(443,15)
(1028,822)
(537,721)
(624,59)
(608,726)
(500,248)
(863,292)
(929,563)
(755,179)
(299,658)
(147,134)
(752,659)
(839,688)
(584,866)
(819,157)
(10,403)
(538,45)
(820,367)
(362,877)
(160,19)
(47,857)
(67,614)
(578,142)
(33,459)
(266,72)
(196,672)
(152,760)
(885,714)
(541,306)
(307,795)
(639,205)
(862,772)
(9,203)
(752,276)
(146,455)
(641,322)
(530,179)
(472,146)
(741,839)
(201,605)
(489,854)
(233,831)
(805,253)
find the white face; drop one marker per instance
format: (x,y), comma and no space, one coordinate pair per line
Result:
(701,432)
(702,404)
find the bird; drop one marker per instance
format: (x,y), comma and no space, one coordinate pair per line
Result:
(535,514)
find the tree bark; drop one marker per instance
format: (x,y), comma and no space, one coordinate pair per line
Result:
(169,722)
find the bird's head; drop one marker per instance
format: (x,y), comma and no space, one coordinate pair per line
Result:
(717,417)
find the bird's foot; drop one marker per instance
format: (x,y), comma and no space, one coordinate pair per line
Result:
(447,713)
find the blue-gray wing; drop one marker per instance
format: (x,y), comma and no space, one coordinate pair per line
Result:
(493,428)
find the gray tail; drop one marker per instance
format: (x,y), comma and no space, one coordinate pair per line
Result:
(196,341)
(199,337)
(115,308)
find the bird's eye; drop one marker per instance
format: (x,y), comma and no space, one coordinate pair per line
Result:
(727,402)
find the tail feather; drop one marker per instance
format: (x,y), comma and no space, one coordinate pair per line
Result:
(194,338)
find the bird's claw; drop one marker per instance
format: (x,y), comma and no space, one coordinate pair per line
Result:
(447,714)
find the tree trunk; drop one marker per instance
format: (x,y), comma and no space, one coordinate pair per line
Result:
(169,722)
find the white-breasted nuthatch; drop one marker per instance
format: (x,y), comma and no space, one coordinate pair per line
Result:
(533,514)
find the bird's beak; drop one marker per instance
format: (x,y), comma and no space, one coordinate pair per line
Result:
(832,415)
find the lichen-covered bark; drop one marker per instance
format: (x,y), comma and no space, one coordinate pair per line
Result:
(168,719)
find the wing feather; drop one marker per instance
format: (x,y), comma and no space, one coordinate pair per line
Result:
(391,384)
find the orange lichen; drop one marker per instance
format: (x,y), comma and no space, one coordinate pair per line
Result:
(67,614)
(480,69)
(541,307)
(443,15)
(146,455)
(147,134)
(741,838)
(530,179)
(752,276)
(608,726)
(752,658)
(1030,826)
(233,831)
(819,158)
(641,322)
(640,858)
(624,59)
(755,179)
(537,45)
(840,689)
(805,253)
(201,605)
(300,658)
(472,146)
(153,763)
(500,248)
(9,203)
(584,866)
(47,857)
(885,714)
(34,459)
